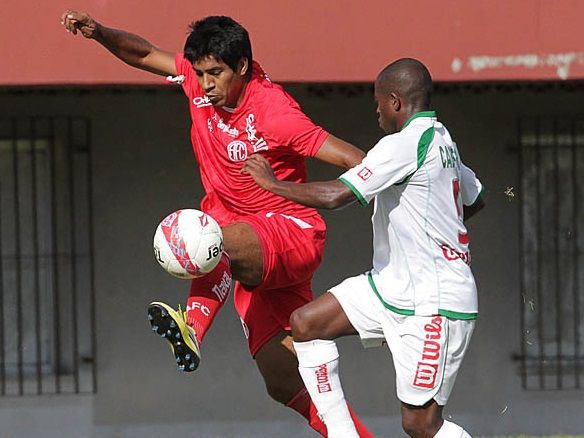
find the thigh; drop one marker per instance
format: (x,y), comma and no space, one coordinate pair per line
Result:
(323,318)
(362,308)
(292,248)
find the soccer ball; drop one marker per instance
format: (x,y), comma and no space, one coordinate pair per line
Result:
(188,243)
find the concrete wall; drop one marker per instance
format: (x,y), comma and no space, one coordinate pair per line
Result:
(312,41)
(143,169)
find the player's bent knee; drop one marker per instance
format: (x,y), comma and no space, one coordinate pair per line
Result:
(299,325)
(304,325)
(243,246)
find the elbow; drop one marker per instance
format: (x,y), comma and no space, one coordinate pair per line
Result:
(355,159)
(334,203)
(338,196)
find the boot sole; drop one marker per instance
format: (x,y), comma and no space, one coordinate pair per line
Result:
(164,325)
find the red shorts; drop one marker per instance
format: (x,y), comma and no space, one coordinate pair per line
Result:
(292,250)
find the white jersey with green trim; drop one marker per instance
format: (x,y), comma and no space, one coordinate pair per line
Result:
(421,259)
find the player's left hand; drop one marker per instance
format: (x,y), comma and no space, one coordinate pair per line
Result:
(260,170)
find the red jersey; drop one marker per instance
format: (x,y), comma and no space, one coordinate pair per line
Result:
(269,121)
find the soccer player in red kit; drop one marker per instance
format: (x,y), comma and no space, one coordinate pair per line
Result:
(272,245)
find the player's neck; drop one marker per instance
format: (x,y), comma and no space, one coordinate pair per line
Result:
(411,112)
(231,108)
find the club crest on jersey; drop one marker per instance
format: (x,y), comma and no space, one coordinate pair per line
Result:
(201,101)
(237,151)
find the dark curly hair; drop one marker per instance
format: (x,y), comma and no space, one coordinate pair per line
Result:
(219,37)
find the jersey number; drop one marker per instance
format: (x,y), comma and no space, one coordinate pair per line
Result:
(462,237)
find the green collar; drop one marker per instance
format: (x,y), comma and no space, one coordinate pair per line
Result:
(420,114)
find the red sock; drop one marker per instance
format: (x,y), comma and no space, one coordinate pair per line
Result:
(208,294)
(302,404)
(361,429)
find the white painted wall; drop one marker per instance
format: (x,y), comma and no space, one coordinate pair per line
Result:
(143,169)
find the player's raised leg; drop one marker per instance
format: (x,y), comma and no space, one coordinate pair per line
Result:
(188,243)
(185,331)
(242,261)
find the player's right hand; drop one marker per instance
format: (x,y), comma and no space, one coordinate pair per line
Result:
(260,170)
(75,21)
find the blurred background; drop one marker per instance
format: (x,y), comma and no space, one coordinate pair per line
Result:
(93,154)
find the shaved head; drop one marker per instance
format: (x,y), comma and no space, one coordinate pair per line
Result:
(409,79)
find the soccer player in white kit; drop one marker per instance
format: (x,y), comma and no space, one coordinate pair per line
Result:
(420,295)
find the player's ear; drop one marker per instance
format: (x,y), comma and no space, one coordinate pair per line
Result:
(395,101)
(243,66)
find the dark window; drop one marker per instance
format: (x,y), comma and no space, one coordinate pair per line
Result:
(551,194)
(47,321)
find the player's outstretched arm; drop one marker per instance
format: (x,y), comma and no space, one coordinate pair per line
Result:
(130,48)
(326,194)
(339,153)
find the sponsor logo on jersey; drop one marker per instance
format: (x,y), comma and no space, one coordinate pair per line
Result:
(224,127)
(176,79)
(451,254)
(237,151)
(364,173)
(201,101)
(323,383)
(259,144)
(427,368)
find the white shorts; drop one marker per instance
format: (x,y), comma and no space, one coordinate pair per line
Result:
(427,350)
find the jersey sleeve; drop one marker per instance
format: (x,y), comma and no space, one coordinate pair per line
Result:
(471,187)
(185,69)
(291,128)
(387,164)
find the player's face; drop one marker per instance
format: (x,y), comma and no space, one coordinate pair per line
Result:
(386,114)
(222,85)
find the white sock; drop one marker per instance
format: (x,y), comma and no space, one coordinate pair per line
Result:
(318,363)
(451,430)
